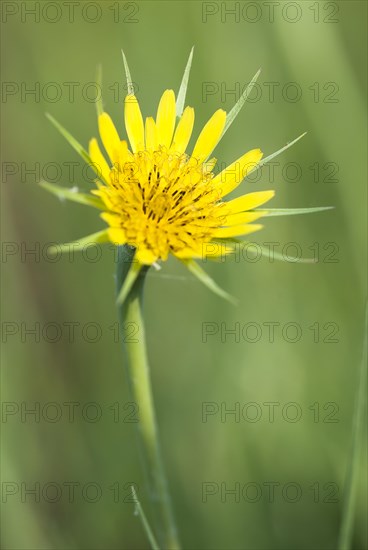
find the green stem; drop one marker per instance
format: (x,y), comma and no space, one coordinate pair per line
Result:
(139,379)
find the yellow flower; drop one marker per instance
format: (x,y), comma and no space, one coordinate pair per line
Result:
(162,200)
(159,199)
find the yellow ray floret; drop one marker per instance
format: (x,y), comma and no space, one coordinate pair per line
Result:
(109,136)
(151,134)
(101,166)
(236,230)
(234,174)
(210,136)
(134,123)
(165,120)
(249,201)
(183,131)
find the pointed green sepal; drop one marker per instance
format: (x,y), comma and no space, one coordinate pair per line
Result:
(128,76)
(72,194)
(75,144)
(273,255)
(267,253)
(70,139)
(75,246)
(198,272)
(240,103)
(131,277)
(273,155)
(292,211)
(180,102)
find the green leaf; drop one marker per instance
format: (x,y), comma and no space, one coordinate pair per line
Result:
(139,511)
(183,86)
(130,85)
(196,270)
(292,211)
(270,157)
(240,103)
(73,195)
(75,246)
(134,270)
(99,103)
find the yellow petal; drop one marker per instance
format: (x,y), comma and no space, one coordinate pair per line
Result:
(102,168)
(112,219)
(165,119)
(134,123)
(115,232)
(249,201)
(188,252)
(124,155)
(235,231)
(117,235)
(205,250)
(183,131)
(209,136)
(109,136)
(145,256)
(234,174)
(244,217)
(151,134)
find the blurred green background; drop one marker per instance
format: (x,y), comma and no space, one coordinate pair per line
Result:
(321,48)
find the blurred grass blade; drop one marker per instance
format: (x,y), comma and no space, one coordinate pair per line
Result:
(72,141)
(99,103)
(240,103)
(270,157)
(75,246)
(129,281)
(352,475)
(180,102)
(130,85)
(72,195)
(293,211)
(139,511)
(207,281)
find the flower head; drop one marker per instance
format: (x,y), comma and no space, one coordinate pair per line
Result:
(161,199)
